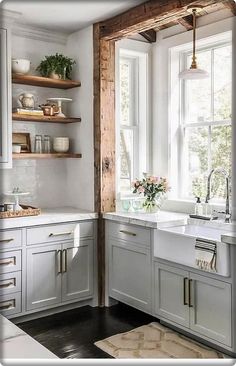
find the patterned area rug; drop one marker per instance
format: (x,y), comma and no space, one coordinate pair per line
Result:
(155,341)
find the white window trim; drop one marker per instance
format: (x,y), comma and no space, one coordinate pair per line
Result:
(175,128)
(141,52)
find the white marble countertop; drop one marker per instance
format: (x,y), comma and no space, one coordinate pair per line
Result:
(154,220)
(15,343)
(229,238)
(48,216)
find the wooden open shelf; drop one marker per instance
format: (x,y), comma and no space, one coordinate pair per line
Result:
(45,82)
(50,119)
(46,156)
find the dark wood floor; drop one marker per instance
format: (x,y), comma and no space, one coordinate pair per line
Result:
(72,334)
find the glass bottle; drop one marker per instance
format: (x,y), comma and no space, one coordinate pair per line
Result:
(38,144)
(46,144)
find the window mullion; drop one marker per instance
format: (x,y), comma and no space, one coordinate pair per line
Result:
(212,87)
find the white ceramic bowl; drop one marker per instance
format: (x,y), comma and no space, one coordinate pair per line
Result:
(16,148)
(20,66)
(61,144)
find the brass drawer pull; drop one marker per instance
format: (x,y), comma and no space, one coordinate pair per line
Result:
(6,263)
(128,233)
(59,261)
(184,286)
(190,304)
(6,284)
(6,241)
(61,234)
(64,267)
(4,307)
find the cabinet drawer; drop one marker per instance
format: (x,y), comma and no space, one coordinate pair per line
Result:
(55,233)
(10,239)
(10,304)
(131,233)
(10,282)
(10,261)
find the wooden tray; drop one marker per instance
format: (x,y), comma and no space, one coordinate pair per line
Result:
(27,211)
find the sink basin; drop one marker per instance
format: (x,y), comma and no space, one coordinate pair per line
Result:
(177,244)
(196,231)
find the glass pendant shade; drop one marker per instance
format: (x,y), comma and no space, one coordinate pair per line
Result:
(193,73)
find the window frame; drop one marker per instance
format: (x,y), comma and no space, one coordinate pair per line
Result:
(183,125)
(139,53)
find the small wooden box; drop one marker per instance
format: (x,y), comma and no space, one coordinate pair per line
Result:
(22,139)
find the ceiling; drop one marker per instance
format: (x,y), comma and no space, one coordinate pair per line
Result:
(67,16)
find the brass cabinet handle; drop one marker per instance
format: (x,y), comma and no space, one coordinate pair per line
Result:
(190,304)
(61,234)
(6,284)
(184,286)
(128,233)
(5,263)
(4,307)
(6,241)
(59,261)
(64,266)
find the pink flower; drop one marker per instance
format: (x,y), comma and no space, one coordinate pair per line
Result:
(141,189)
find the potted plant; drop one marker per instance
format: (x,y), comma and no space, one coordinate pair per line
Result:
(56,66)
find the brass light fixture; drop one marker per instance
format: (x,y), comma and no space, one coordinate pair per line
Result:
(194,72)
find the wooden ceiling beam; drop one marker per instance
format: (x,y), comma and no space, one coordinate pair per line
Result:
(187,22)
(151,14)
(230,4)
(150,35)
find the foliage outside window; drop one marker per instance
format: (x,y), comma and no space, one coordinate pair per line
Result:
(206,123)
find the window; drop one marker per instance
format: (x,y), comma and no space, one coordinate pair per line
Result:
(131,118)
(206,122)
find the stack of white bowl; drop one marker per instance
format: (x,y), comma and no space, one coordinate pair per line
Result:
(61,144)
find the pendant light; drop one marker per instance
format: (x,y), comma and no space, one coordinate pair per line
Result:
(194,72)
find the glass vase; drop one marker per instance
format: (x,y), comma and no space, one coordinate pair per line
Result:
(153,205)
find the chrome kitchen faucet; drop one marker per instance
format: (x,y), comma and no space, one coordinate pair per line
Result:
(227,178)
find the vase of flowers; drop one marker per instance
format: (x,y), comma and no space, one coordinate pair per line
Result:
(153,189)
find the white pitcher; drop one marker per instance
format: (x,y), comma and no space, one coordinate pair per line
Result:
(27,100)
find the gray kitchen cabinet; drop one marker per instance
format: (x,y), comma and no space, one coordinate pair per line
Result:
(171,294)
(77,276)
(5,101)
(130,274)
(59,272)
(43,276)
(210,314)
(197,302)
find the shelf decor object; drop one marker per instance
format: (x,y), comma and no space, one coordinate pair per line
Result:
(56,66)
(25,211)
(194,73)
(44,82)
(16,194)
(59,103)
(22,139)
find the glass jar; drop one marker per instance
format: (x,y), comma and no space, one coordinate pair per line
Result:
(38,144)
(46,144)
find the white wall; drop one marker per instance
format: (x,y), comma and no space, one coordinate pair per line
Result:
(57,183)
(80,173)
(207,26)
(45,180)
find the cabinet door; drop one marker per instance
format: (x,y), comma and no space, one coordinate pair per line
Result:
(130,274)
(77,276)
(5,100)
(211,311)
(171,286)
(43,276)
